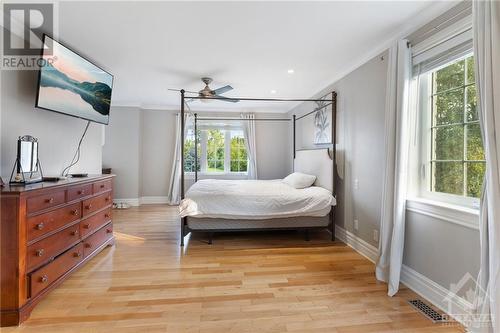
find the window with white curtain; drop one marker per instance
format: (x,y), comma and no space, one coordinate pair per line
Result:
(221,149)
(450,151)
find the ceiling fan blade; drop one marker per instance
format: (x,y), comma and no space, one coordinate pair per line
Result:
(226,99)
(191,92)
(222,90)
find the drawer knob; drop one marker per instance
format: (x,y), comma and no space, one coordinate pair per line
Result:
(86,226)
(74,212)
(88,245)
(44,279)
(40,252)
(106,215)
(107,199)
(109,231)
(49,200)
(40,226)
(89,206)
(102,185)
(74,233)
(77,254)
(81,192)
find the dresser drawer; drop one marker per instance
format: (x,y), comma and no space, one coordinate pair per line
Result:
(41,224)
(44,201)
(46,275)
(52,246)
(78,192)
(96,203)
(102,186)
(97,239)
(94,222)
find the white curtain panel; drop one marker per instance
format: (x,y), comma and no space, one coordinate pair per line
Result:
(249,133)
(486,26)
(174,192)
(395,179)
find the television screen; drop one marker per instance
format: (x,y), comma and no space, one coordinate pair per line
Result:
(70,84)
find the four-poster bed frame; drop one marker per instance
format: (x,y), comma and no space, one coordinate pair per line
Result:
(329,102)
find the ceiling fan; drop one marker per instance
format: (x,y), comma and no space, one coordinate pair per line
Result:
(207,93)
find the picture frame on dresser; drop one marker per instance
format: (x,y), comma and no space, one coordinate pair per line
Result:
(48,230)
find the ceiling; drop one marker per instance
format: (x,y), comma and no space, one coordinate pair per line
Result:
(153,46)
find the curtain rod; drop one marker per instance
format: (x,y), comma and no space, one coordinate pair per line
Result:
(259,99)
(246,119)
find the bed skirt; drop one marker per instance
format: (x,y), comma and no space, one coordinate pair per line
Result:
(206,224)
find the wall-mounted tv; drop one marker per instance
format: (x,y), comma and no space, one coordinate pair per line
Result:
(70,84)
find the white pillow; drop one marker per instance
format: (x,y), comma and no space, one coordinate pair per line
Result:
(299,180)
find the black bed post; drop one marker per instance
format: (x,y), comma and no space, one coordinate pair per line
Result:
(294,149)
(183,220)
(334,158)
(195,147)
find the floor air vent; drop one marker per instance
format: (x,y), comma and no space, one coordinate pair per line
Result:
(426,310)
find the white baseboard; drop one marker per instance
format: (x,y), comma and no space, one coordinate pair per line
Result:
(153,200)
(142,201)
(362,247)
(130,201)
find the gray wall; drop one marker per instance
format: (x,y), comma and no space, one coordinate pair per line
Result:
(139,146)
(442,251)
(58,134)
(122,148)
(361,108)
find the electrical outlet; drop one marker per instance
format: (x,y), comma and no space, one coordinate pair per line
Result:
(356,225)
(356,184)
(375,235)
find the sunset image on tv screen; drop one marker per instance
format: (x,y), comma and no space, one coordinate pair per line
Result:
(70,84)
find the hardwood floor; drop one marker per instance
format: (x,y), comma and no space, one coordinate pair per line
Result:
(258,282)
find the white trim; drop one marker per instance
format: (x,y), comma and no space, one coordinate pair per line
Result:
(435,293)
(153,200)
(463,216)
(149,200)
(362,247)
(128,201)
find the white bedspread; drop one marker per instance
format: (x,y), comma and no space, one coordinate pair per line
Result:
(254,199)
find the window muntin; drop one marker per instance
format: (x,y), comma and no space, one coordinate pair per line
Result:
(457,158)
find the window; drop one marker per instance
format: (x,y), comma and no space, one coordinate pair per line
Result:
(455,158)
(215,150)
(220,150)
(239,159)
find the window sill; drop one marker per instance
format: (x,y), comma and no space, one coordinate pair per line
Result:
(464,216)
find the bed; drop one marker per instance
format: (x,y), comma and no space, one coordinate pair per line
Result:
(249,205)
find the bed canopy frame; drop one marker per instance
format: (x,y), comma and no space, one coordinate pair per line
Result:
(329,102)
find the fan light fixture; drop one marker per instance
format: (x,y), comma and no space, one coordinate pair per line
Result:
(291,71)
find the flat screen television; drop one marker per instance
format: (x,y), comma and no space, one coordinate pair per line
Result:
(70,84)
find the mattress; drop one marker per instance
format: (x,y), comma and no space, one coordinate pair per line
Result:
(254,200)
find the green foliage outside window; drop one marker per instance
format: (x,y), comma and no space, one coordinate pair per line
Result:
(239,158)
(215,150)
(189,154)
(457,160)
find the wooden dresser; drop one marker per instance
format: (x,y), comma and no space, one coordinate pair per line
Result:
(47,231)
